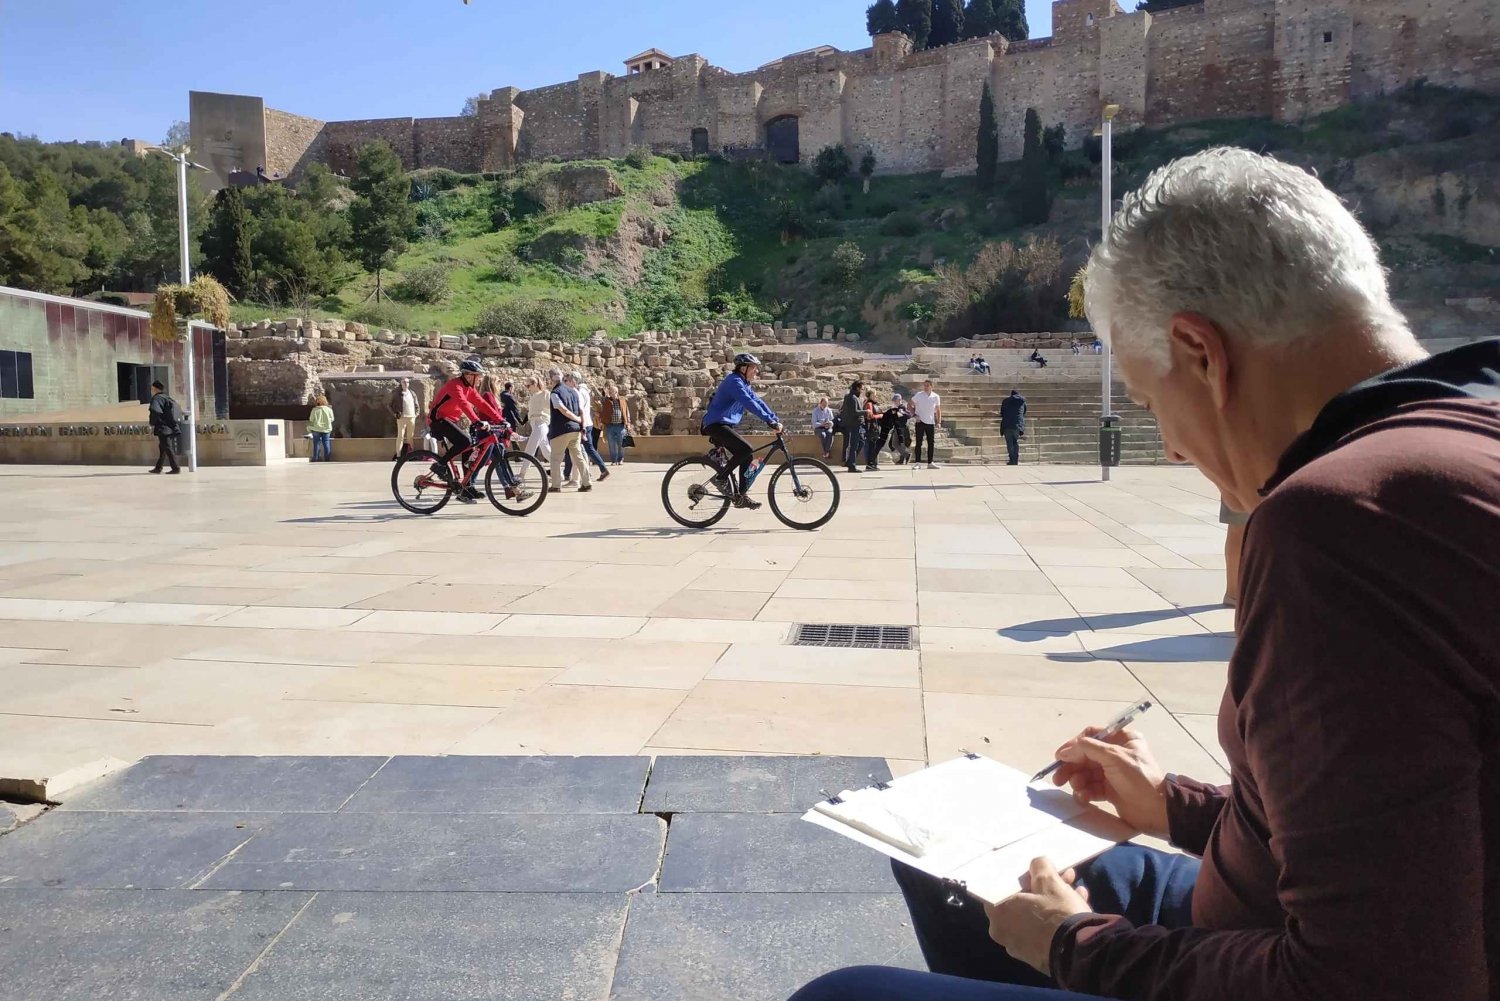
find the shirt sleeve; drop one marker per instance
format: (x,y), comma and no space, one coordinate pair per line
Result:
(1366,746)
(755,404)
(1193,808)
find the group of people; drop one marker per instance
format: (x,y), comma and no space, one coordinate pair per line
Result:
(868,426)
(562,424)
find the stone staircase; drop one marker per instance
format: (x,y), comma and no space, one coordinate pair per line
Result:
(1062,419)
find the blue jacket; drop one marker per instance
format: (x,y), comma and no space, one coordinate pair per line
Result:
(730,401)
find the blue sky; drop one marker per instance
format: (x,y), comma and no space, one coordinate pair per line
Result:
(99,69)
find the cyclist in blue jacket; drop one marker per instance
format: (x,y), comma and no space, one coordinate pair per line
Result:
(725,411)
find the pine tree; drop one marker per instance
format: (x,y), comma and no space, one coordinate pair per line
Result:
(916,20)
(882,18)
(381,217)
(1029,197)
(989,141)
(1010,17)
(947,22)
(226,244)
(979,19)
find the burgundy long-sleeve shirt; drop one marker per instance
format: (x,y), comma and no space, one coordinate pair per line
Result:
(1355,853)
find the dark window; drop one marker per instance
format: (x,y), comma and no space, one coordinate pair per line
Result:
(700,142)
(783,139)
(15,375)
(1327,37)
(134,381)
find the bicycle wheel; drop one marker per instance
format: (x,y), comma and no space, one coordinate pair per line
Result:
(809,500)
(416,487)
(691,496)
(521,489)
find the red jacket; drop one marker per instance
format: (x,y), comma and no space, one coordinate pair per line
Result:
(458,399)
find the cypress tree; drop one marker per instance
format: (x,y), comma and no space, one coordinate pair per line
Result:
(381,217)
(1011,19)
(226,244)
(989,140)
(1031,200)
(979,19)
(881,17)
(916,20)
(947,22)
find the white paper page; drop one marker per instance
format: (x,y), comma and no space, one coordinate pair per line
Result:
(972,816)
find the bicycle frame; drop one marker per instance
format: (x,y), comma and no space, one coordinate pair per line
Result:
(486,447)
(779,445)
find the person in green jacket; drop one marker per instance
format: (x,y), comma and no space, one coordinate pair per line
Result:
(320,423)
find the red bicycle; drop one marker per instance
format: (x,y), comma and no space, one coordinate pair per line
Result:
(515,482)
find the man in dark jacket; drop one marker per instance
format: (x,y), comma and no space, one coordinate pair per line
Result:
(1013,425)
(852,418)
(165,415)
(1353,854)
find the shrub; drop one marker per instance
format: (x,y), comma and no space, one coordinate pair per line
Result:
(508,266)
(437,178)
(829,201)
(832,164)
(848,265)
(639,158)
(540,319)
(901,224)
(427,284)
(383,314)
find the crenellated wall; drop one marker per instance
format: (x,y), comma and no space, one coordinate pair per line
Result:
(919,111)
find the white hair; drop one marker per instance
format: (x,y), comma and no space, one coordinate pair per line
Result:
(554,375)
(1259,247)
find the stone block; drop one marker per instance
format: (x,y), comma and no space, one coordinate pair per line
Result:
(434,338)
(502,947)
(121,850)
(852,338)
(229,784)
(753,784)
(540,784)
(538,853)
(450,342)
(767,853)
(755,945)
(173,945)
(812,330)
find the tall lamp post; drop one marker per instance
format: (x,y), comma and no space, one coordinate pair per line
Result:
(183,163)
(1109,423)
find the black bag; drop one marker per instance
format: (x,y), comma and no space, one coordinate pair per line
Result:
(838,424)
(628,441)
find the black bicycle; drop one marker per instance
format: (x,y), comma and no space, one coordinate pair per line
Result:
(804,493)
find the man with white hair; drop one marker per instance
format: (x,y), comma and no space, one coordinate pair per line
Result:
(564,430)
(1354,853)
(586,439)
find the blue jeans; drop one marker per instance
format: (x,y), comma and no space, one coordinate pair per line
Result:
(322,445)
(590,453)
(615,435)
(1147,886)
(825,438)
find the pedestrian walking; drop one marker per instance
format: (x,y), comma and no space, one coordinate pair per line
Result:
(614,414)
(1013,425)
(510,409)
(166,417)
(589,436)
(872,415)
(822,423)
(539,413)
(320,425)
(927,407)
(404,409)
(852,420)
(564,430)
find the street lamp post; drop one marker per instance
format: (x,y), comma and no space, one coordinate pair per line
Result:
(1108,422)
(183,163)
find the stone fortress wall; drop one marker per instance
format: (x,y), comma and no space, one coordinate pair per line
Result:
(1284,59)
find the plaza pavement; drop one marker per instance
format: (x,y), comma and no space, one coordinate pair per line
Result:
(288,610)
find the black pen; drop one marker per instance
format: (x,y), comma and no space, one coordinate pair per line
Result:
(1111,728)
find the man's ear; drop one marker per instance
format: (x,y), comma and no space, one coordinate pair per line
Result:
(1201,350)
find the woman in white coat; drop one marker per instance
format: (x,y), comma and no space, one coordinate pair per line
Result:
(539,413)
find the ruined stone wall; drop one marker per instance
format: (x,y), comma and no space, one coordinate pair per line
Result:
(290,142)
(919,111)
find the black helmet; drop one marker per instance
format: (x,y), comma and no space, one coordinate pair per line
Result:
(741,360)
(471,365)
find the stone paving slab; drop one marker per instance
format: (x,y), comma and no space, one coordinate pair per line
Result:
(533,784)
(516,853)
(122,850)
(755,946)
(443,947)
(766,853)
(230,784)
(133,945)
(757,784)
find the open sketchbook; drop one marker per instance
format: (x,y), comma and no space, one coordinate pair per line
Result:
(972,822)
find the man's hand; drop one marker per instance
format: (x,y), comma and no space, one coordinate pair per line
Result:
(778,428)
(1026,923)
(1121,770)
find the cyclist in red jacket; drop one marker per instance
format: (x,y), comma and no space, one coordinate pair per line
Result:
(457,400)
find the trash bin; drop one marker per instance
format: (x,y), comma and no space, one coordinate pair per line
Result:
(1109,440)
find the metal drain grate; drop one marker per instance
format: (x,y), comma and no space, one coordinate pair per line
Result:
(863,637)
